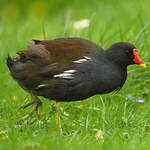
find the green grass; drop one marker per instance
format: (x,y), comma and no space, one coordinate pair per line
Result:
(123,124)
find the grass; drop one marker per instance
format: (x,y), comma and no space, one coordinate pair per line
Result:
(101,122)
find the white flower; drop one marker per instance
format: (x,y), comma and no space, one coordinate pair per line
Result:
(81,24)
(99,134)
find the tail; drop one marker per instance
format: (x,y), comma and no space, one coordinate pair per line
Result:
(10,62)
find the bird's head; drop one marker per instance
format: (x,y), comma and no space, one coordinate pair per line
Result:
(125,53)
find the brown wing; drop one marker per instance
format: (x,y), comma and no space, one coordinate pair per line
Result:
(61,51)
(67,50)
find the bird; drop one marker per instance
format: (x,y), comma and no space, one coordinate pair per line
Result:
(71,69)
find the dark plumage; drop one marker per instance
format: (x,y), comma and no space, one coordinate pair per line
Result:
(71,69)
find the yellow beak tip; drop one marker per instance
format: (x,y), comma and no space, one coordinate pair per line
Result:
(143,65)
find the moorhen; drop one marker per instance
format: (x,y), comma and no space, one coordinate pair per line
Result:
(71,69)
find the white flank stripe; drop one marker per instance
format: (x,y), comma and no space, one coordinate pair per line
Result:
(80,61)
(40,86)
(68,74)
(88,58)
(64,75)
(69,71)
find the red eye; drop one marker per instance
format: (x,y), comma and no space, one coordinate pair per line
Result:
(130,54)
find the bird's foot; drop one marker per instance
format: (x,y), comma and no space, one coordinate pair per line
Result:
(55,109)
(37,105)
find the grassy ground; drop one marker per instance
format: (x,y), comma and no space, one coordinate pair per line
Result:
(101,122)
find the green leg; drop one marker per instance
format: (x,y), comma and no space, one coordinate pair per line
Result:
(57,115)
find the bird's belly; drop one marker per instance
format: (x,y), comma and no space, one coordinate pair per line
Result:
(78,88)
(66,93)
(108,85)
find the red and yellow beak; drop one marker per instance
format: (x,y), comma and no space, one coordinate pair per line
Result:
(137,59)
